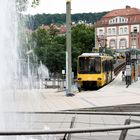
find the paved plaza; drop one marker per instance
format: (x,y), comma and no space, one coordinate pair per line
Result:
(31,109)
(43,100)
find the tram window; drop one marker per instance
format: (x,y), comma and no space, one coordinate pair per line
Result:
(112,67)
(83,65)
(92,65)
(107,67)
(105,63)
(95,66)
(89,65)
(98,66)
(103,66)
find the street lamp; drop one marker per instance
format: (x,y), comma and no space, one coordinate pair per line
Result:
(68,49)
(102,42)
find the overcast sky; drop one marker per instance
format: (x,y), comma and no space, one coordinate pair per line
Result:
(82,6)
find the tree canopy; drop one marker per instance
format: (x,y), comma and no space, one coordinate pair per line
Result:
(51,50)
(60,19)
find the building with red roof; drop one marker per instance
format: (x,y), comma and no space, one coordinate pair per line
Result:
(119,29)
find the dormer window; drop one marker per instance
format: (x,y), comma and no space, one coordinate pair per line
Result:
(117,20)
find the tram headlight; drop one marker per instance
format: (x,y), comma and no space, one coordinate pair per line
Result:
(99,79)
(79,79)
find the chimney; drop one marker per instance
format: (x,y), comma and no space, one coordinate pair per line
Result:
(127,6)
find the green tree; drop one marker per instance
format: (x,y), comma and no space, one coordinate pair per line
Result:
(56,54)
(41,37)
(82,41)
(59,19)
(51,48)
(83,37)
(42,40)
(55,59)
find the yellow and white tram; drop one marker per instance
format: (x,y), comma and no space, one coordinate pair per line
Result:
(94,70)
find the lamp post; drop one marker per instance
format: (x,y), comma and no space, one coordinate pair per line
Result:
(68,49)
(102,42)
(134,56)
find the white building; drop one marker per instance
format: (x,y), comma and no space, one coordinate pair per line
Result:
(119,29)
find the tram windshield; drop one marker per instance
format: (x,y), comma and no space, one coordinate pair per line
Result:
(89,65)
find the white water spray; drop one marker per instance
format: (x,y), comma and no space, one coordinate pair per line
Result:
(8,57)
(8,72)
(8,41)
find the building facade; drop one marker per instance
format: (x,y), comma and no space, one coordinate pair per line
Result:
(119,29)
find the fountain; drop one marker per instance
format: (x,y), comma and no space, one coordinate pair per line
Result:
(8,43)
(9,74)
(8,57)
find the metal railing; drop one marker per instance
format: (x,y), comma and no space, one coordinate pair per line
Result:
(68,131)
